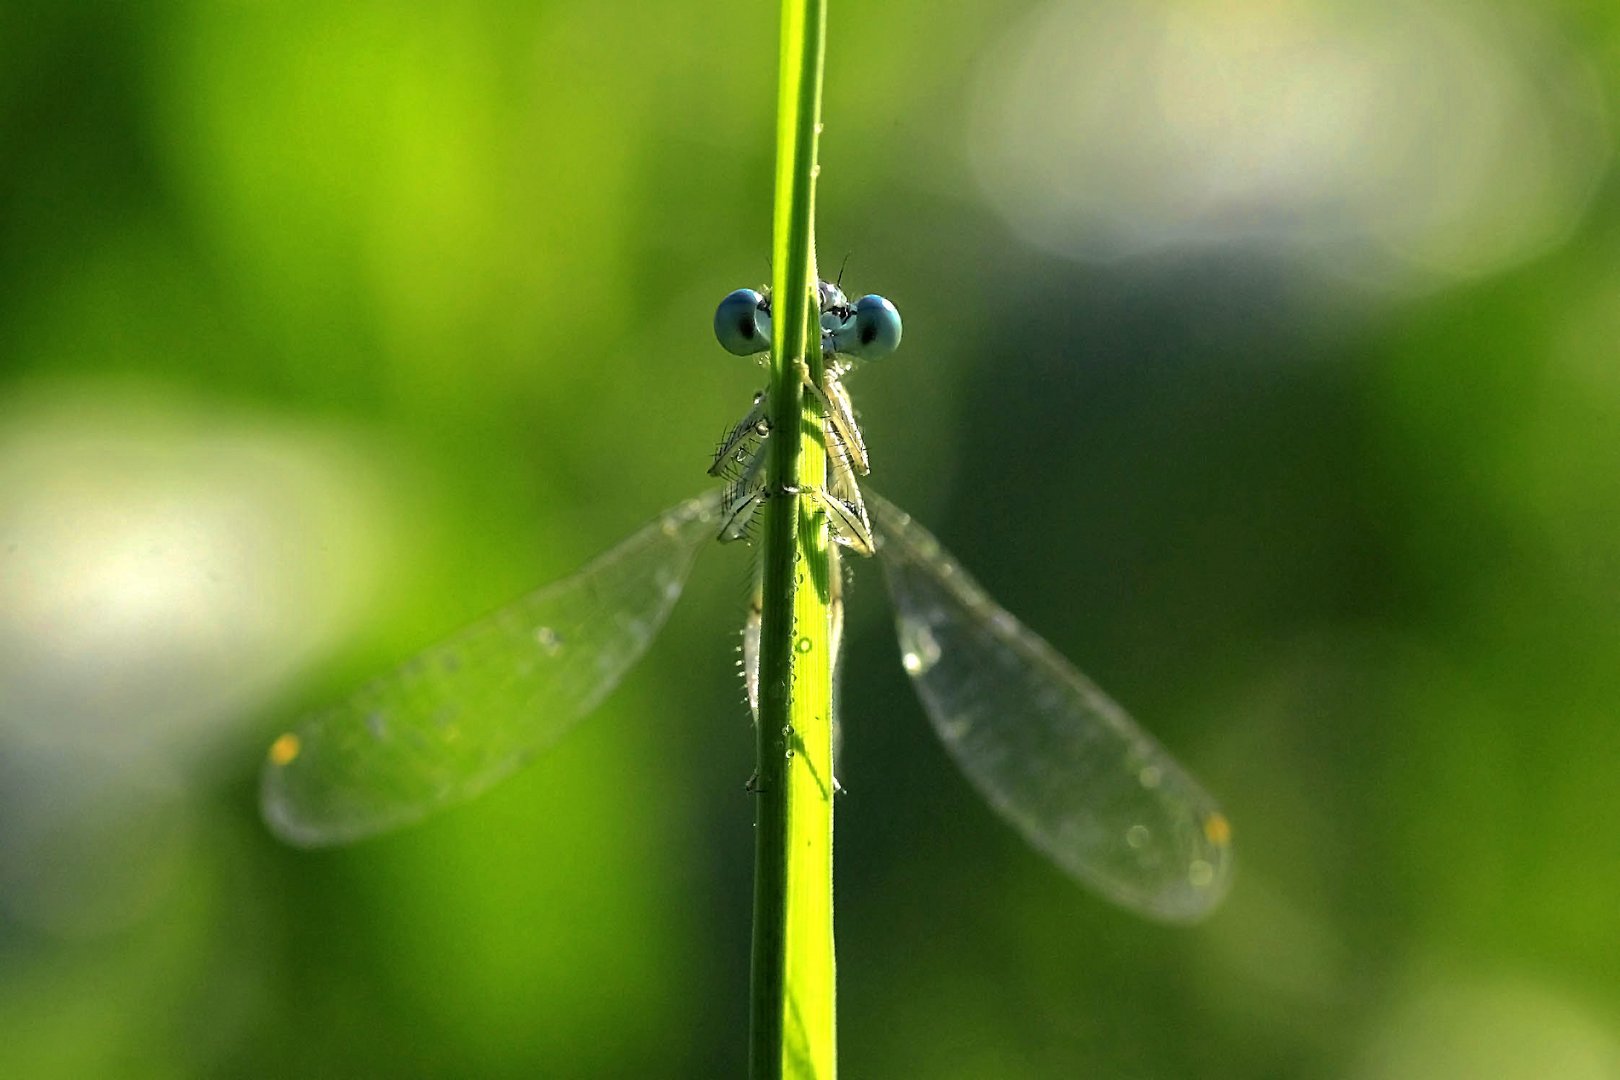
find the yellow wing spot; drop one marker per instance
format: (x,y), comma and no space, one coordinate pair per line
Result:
(284,749)
(1217,830)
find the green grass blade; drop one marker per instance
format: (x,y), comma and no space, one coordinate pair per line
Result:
(792,1021)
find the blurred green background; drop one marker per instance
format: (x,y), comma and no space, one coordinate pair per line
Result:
(1262,355)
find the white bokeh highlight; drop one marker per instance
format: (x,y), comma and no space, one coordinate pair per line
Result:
(165,571)
(1390,142)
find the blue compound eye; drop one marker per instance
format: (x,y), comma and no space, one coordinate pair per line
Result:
(742,324)
(872,332)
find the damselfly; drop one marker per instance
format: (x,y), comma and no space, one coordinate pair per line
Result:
(1054,755)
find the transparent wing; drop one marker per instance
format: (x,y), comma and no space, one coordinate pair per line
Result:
(1060,760)
(469,711)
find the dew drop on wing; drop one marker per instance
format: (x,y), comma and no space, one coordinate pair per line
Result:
(919,651)
(549,640)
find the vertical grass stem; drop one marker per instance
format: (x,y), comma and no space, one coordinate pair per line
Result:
(792,1015)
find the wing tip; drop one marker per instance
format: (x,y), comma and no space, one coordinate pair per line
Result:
(1205,884)
(279,811)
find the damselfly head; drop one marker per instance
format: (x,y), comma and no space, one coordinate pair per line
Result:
(869,329)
